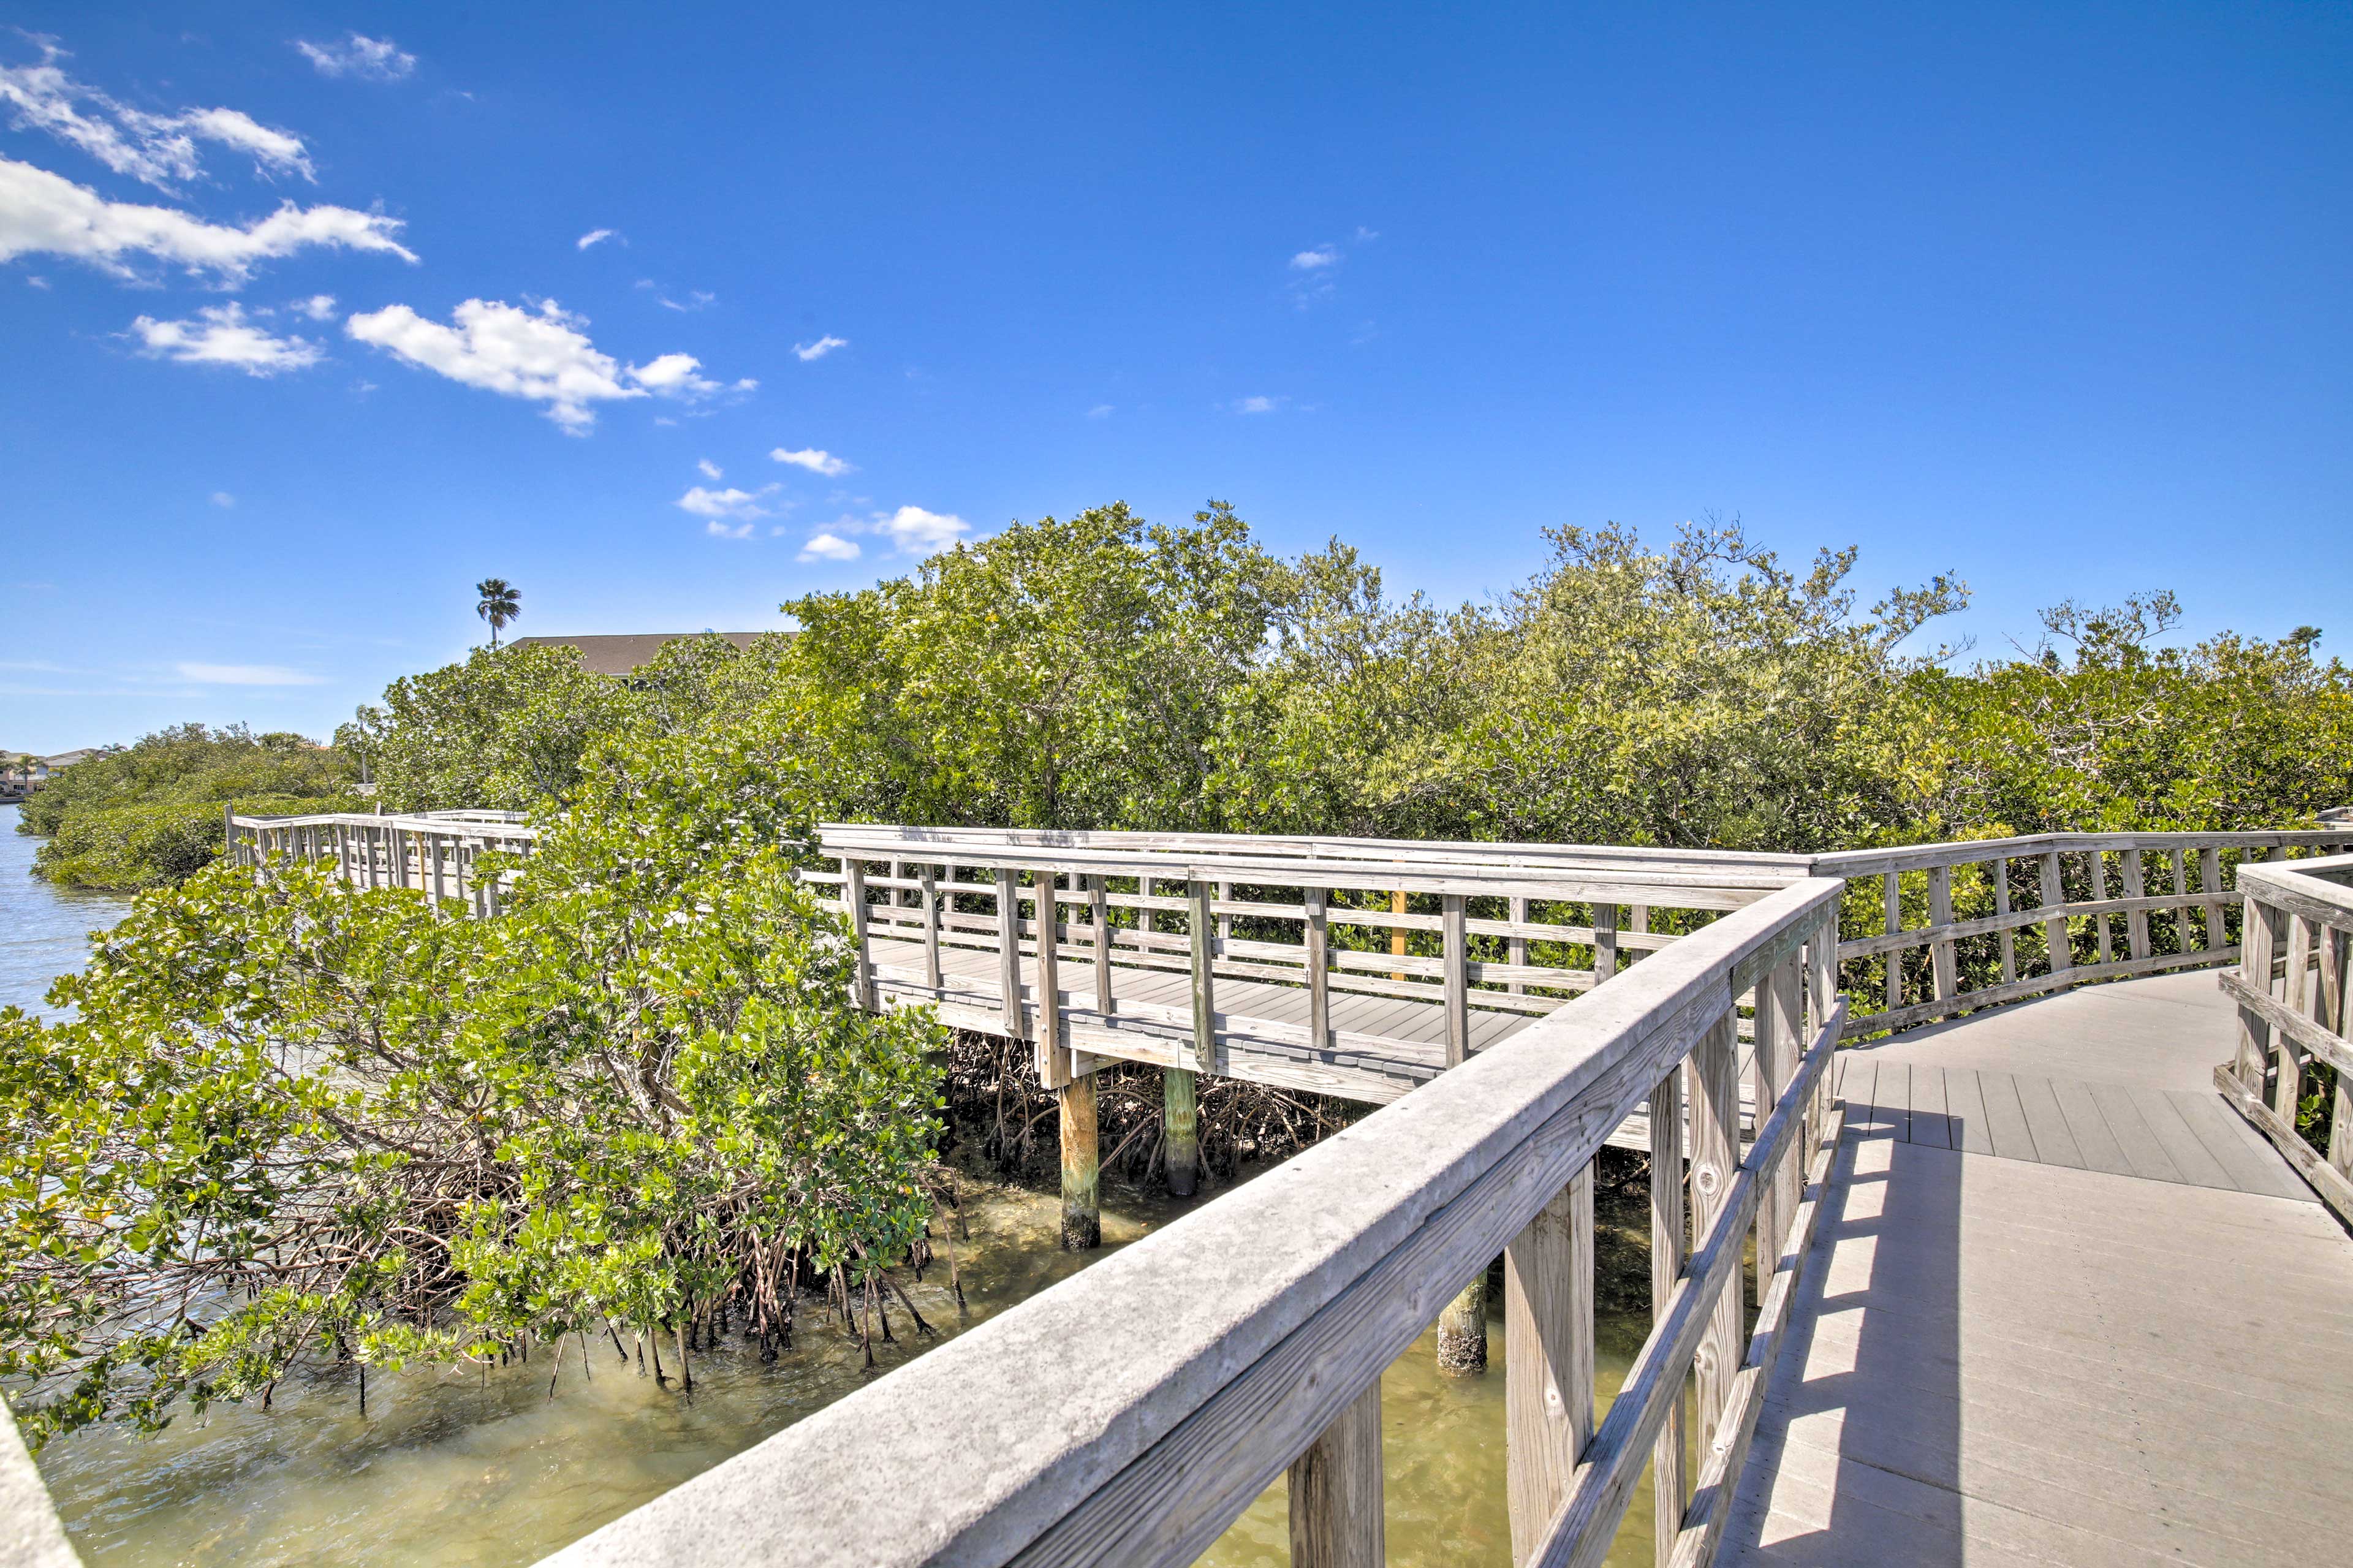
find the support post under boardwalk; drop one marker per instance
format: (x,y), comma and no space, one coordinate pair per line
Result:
(1335,1491)
(1180,1115)
(1463,1331)
(1081,1178)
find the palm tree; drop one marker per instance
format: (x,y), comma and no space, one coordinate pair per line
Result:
(500,603)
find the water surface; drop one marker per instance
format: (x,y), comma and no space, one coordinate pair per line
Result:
(44,930)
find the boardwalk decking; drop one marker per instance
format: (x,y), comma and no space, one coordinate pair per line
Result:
(2045,1324)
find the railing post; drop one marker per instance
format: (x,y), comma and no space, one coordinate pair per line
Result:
(1458,983)
(1715,1155)
(1548,1358)
(2258,930)
(2135,887)
(1777,1022)
(2100,922)
(2054,930)
(1008,954)
(1515,947)
(930,894)
(1671,1490)
(1099,913)
(1335,1491)
(2217,916)
(853,905)
(2335,947)
(1055,1067)
(1605,942)
(2287,1087)
(1890,902)
(2001,907)
(2180,890)
(1940,914)
(1202,940)
(1319,969)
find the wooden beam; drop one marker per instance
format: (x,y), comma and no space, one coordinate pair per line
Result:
(1548,1358)
(1335,1491)
(1669,1244)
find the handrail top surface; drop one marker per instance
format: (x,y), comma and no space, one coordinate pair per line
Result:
(1012,1425)
(1963,851)
(2317,889)
(498,824)
(1310,846)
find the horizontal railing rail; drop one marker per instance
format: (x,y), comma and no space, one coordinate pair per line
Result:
(1131,1413)
(436,853)
(2291,988)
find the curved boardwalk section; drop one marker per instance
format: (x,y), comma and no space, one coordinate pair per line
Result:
(2075,1313)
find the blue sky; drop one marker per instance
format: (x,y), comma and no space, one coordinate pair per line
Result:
(305,332)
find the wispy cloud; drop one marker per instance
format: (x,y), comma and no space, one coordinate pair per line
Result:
(542,355)
(820,348)
(223,499)
(158,149)
(1258,405)
(731,503)
(222,335)
(318,307)
(370,59)
(1100,410)
(247,675)
(711,470)
(45,212)
(594,237)
(814,460)
(1315,261)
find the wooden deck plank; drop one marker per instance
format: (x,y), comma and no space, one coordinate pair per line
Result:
(2006,1116)
(2189,1155)
(2251,1166)
(1965,1103)
(2094,1140)
(2055,1144)
(1930,1123)
(2149,1158)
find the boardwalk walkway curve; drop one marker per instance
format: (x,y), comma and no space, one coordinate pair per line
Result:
(1532,1003)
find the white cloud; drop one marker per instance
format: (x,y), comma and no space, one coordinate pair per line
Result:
(718,529)
(542,355)
(728,503)
(919,532)
(1366,235)
(594,237)
(223,499)
(247,675)
(829,547)
(318,307)
(159,149)
(1258,405)
(820,348)
(41,212)
(224,336)
(1100,410)
(814,460)
(1323,256)
(711,470)
(699,300)
(372,59)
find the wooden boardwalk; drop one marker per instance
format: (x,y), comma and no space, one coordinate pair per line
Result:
(2059,1316)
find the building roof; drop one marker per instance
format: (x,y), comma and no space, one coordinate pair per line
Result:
(624,653)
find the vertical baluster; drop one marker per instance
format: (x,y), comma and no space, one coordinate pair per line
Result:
(1891,901)
(1335,1491)
(1396,932)
(1225,923)
(2135,887)
(1009,956)
(1670,1490)
(2335,947)
(930,895)
(1715,1151)
(1779,996)
(1319,969)
(2054,930)
(1605,942)
(853,904)
(2258,932)
(1942,971)
(2287,1087)
(1144,917)
(2099,875)
(1457,963)
(1515,947)
(2217,916)
(1054,1064)
(1202,942)
(1099,913)
(2001,907)
(2173,862)
(1548,1358)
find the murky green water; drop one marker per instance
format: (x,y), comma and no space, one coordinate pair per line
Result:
(458,1468)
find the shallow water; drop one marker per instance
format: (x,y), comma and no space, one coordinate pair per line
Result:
(44,930)
(460,1468)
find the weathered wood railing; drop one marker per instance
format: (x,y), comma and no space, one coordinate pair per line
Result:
(1133,1412)
(2291,986)
(1972,924)
(434,852)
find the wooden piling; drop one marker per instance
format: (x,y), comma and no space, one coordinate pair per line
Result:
(1335,1491)
(1181,1128)
(1463,1331)
(1081,1178)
